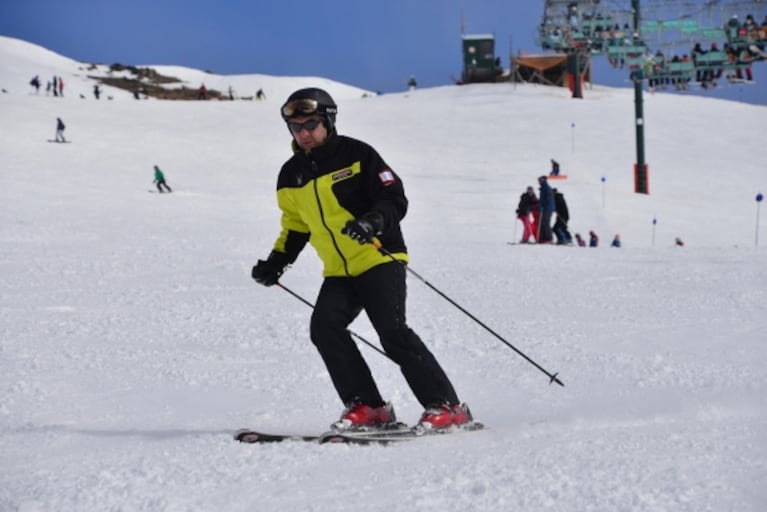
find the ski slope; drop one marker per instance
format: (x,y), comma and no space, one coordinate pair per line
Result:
(133,342)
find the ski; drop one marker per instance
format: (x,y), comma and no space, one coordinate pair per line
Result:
(385,437)
(248,436)
(376,436)
(361,437)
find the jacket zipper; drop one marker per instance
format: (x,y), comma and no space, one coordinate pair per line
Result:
(322,218)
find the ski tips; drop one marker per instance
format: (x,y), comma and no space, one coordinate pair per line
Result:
(555,379)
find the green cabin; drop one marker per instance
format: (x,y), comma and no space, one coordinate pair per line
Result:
(478,58)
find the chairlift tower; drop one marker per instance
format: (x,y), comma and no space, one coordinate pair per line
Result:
(678,43)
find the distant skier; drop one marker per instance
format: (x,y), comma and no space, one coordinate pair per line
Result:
(546,207)
(593,239)
(96,91)
(563,217)
(159,179)
(554,168)
(412,83)
(616,241)
(260,95)
(528,203)
(35,82)
(60,130)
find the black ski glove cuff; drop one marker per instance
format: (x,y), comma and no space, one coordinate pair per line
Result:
(268,272)
(365,227)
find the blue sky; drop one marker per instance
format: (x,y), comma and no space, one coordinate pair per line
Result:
(374,45)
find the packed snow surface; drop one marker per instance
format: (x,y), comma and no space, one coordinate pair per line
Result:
(133,342)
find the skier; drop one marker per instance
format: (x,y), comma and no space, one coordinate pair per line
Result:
(528,203)
(338,193)
(547,206)
(159,178)
(35,82)
(554,168)
(96,91)
(563,217)
(60,130)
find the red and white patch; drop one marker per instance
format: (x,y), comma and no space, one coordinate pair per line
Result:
(386,177)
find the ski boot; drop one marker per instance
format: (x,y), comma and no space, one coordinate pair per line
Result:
(363,417)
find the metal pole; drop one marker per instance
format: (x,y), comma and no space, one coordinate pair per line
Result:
(640,171)
(603,191)
(552,377)
(759,198)
(572,125)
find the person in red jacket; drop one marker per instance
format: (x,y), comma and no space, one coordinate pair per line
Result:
(527,208)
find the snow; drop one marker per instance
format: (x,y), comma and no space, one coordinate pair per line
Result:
(133,342)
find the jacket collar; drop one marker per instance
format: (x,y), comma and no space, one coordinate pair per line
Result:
(321,152)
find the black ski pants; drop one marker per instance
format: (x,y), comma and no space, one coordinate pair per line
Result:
(161,184)
(381,292)
(544,231)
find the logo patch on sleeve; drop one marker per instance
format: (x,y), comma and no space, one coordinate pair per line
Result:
(386,177)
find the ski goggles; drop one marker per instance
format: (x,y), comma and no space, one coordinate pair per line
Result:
(309,125)
(300,107)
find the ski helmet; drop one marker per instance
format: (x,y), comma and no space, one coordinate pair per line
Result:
(311,100)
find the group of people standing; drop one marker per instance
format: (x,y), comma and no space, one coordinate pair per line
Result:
(535,213)
(57,86)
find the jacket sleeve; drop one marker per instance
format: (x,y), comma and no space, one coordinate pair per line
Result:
(385,190)
(294,233)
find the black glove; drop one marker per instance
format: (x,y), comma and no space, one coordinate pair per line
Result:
(364,228)
(268,272)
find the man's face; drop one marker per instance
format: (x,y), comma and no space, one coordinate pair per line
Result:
(308,131)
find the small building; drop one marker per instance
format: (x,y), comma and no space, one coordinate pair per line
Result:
(559,69)
(479,63)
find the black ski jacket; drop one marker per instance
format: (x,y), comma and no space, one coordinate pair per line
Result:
(319,191)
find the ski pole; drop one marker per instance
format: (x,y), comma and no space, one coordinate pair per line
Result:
(553,377)
(352,333)
(514,240)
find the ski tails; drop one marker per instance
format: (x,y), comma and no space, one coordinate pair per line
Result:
(249,436)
